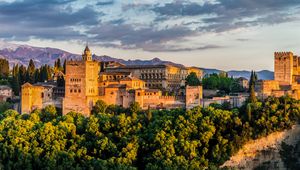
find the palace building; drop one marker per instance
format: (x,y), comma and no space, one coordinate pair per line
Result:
(286,77)
(86,83)
(165,77)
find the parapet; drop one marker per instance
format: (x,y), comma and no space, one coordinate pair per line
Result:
(282,54)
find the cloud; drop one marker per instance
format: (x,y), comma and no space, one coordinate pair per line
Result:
(52,13)
(107,2)
(145,38)
(230,14)
(136,25)
(52,19)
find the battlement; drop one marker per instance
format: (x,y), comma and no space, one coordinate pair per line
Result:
(167,97)
(282,54)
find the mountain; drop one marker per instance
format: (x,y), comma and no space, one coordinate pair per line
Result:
(264,74)
(21,54)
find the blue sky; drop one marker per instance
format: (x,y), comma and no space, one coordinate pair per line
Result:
(224,34)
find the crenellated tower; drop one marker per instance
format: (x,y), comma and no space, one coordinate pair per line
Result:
(81,84)
(284,67)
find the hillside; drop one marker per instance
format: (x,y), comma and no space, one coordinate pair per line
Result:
(264,152)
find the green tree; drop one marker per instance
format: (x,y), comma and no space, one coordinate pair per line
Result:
(64,66)
(192,79)
(100,107)
(135,107)
(4,68)
(15,82)
(249,112)
(22,75)
(30,75)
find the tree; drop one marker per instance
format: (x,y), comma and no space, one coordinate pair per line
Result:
(64,66)
(149,115)
(22,75)
(253,79)
(252,97)
(100,107)
(135,107)
(15,82)
(49,113)
(249,113)
(192,79)
(30,75)
(4,68)
(60,81)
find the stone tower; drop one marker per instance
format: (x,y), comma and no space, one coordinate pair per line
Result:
(81,84)
(283,71)
(87,56)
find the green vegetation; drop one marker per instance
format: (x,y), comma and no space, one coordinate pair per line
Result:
(117,138)
(192,79)
(4,68)
(31,74)
(253,79)
(223,83)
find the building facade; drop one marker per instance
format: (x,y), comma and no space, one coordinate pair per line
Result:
(5,93)
(165,77)
(286,77)
(81,84)
(85,84)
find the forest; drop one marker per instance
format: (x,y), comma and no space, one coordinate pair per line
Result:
(20,74)
(118,138)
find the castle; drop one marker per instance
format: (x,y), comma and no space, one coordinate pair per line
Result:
(87,81)
(286,77)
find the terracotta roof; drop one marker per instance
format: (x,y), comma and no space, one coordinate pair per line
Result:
(27,85)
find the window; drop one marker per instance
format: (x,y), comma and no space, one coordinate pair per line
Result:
(71,91)
(75,91)
(42,95)
(79,91)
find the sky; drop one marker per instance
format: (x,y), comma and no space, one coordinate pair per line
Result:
(222,34)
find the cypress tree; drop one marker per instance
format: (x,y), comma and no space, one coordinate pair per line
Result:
(58,64)
(15,80)
(22,74)
(249,114)
(30,72)
(252,97)
(253,79)
(64,66)
(4,68)
(37,75)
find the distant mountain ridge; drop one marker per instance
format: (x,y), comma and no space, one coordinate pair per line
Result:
(21,54)
(263,74)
